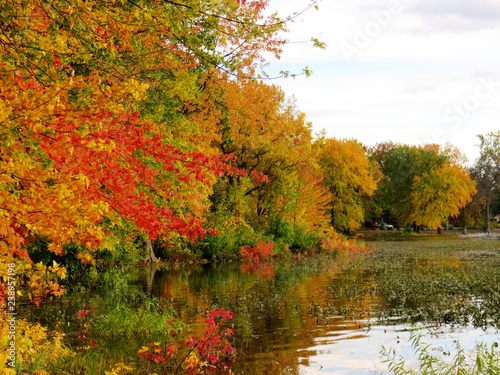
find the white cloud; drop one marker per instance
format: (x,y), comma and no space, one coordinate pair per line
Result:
(458,16)
(426,59)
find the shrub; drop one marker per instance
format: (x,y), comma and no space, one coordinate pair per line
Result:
(35,349)
(262,250)
(298,239)
(227,244)
(211,353)
(281,229)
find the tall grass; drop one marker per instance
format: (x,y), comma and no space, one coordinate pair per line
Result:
(484,360)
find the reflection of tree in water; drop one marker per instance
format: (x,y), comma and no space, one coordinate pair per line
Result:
(282,307)
(149,273)
(272,302)
(262,270)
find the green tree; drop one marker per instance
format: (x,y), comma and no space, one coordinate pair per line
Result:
(422,186)
(486,171)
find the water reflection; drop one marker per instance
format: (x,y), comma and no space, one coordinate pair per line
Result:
(353,353)
(319,315)
(280,308)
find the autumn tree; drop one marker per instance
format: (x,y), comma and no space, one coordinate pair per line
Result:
(438,194)
(348,178)
(82,139)
(309,199)
(422,186)
(266,136)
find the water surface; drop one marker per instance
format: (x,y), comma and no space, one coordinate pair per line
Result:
(325,315)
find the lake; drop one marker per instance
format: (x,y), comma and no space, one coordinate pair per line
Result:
(323,315)
(315,315)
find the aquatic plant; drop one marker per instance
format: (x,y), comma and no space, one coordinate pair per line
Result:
(486,360)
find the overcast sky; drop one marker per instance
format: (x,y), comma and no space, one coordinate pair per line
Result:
(410,71)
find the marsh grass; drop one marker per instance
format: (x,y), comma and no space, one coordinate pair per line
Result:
(484,360)
(454,281)
(92,362)
(151,319)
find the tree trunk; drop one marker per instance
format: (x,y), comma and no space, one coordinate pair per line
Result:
(440,230)
(464,223)
(151,257)
(416,228)
(488,229)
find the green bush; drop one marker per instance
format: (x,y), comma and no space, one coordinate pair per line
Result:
(296,238)
(287,237)
(226,245)
(281,229)
(304,240)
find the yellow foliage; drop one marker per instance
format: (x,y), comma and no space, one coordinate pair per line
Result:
(348,177)
(193,362)
(36,349)
(41,280)
(59,271)
(119,369)
(438,194)
(86,258)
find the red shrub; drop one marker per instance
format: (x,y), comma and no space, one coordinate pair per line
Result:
(263,250)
